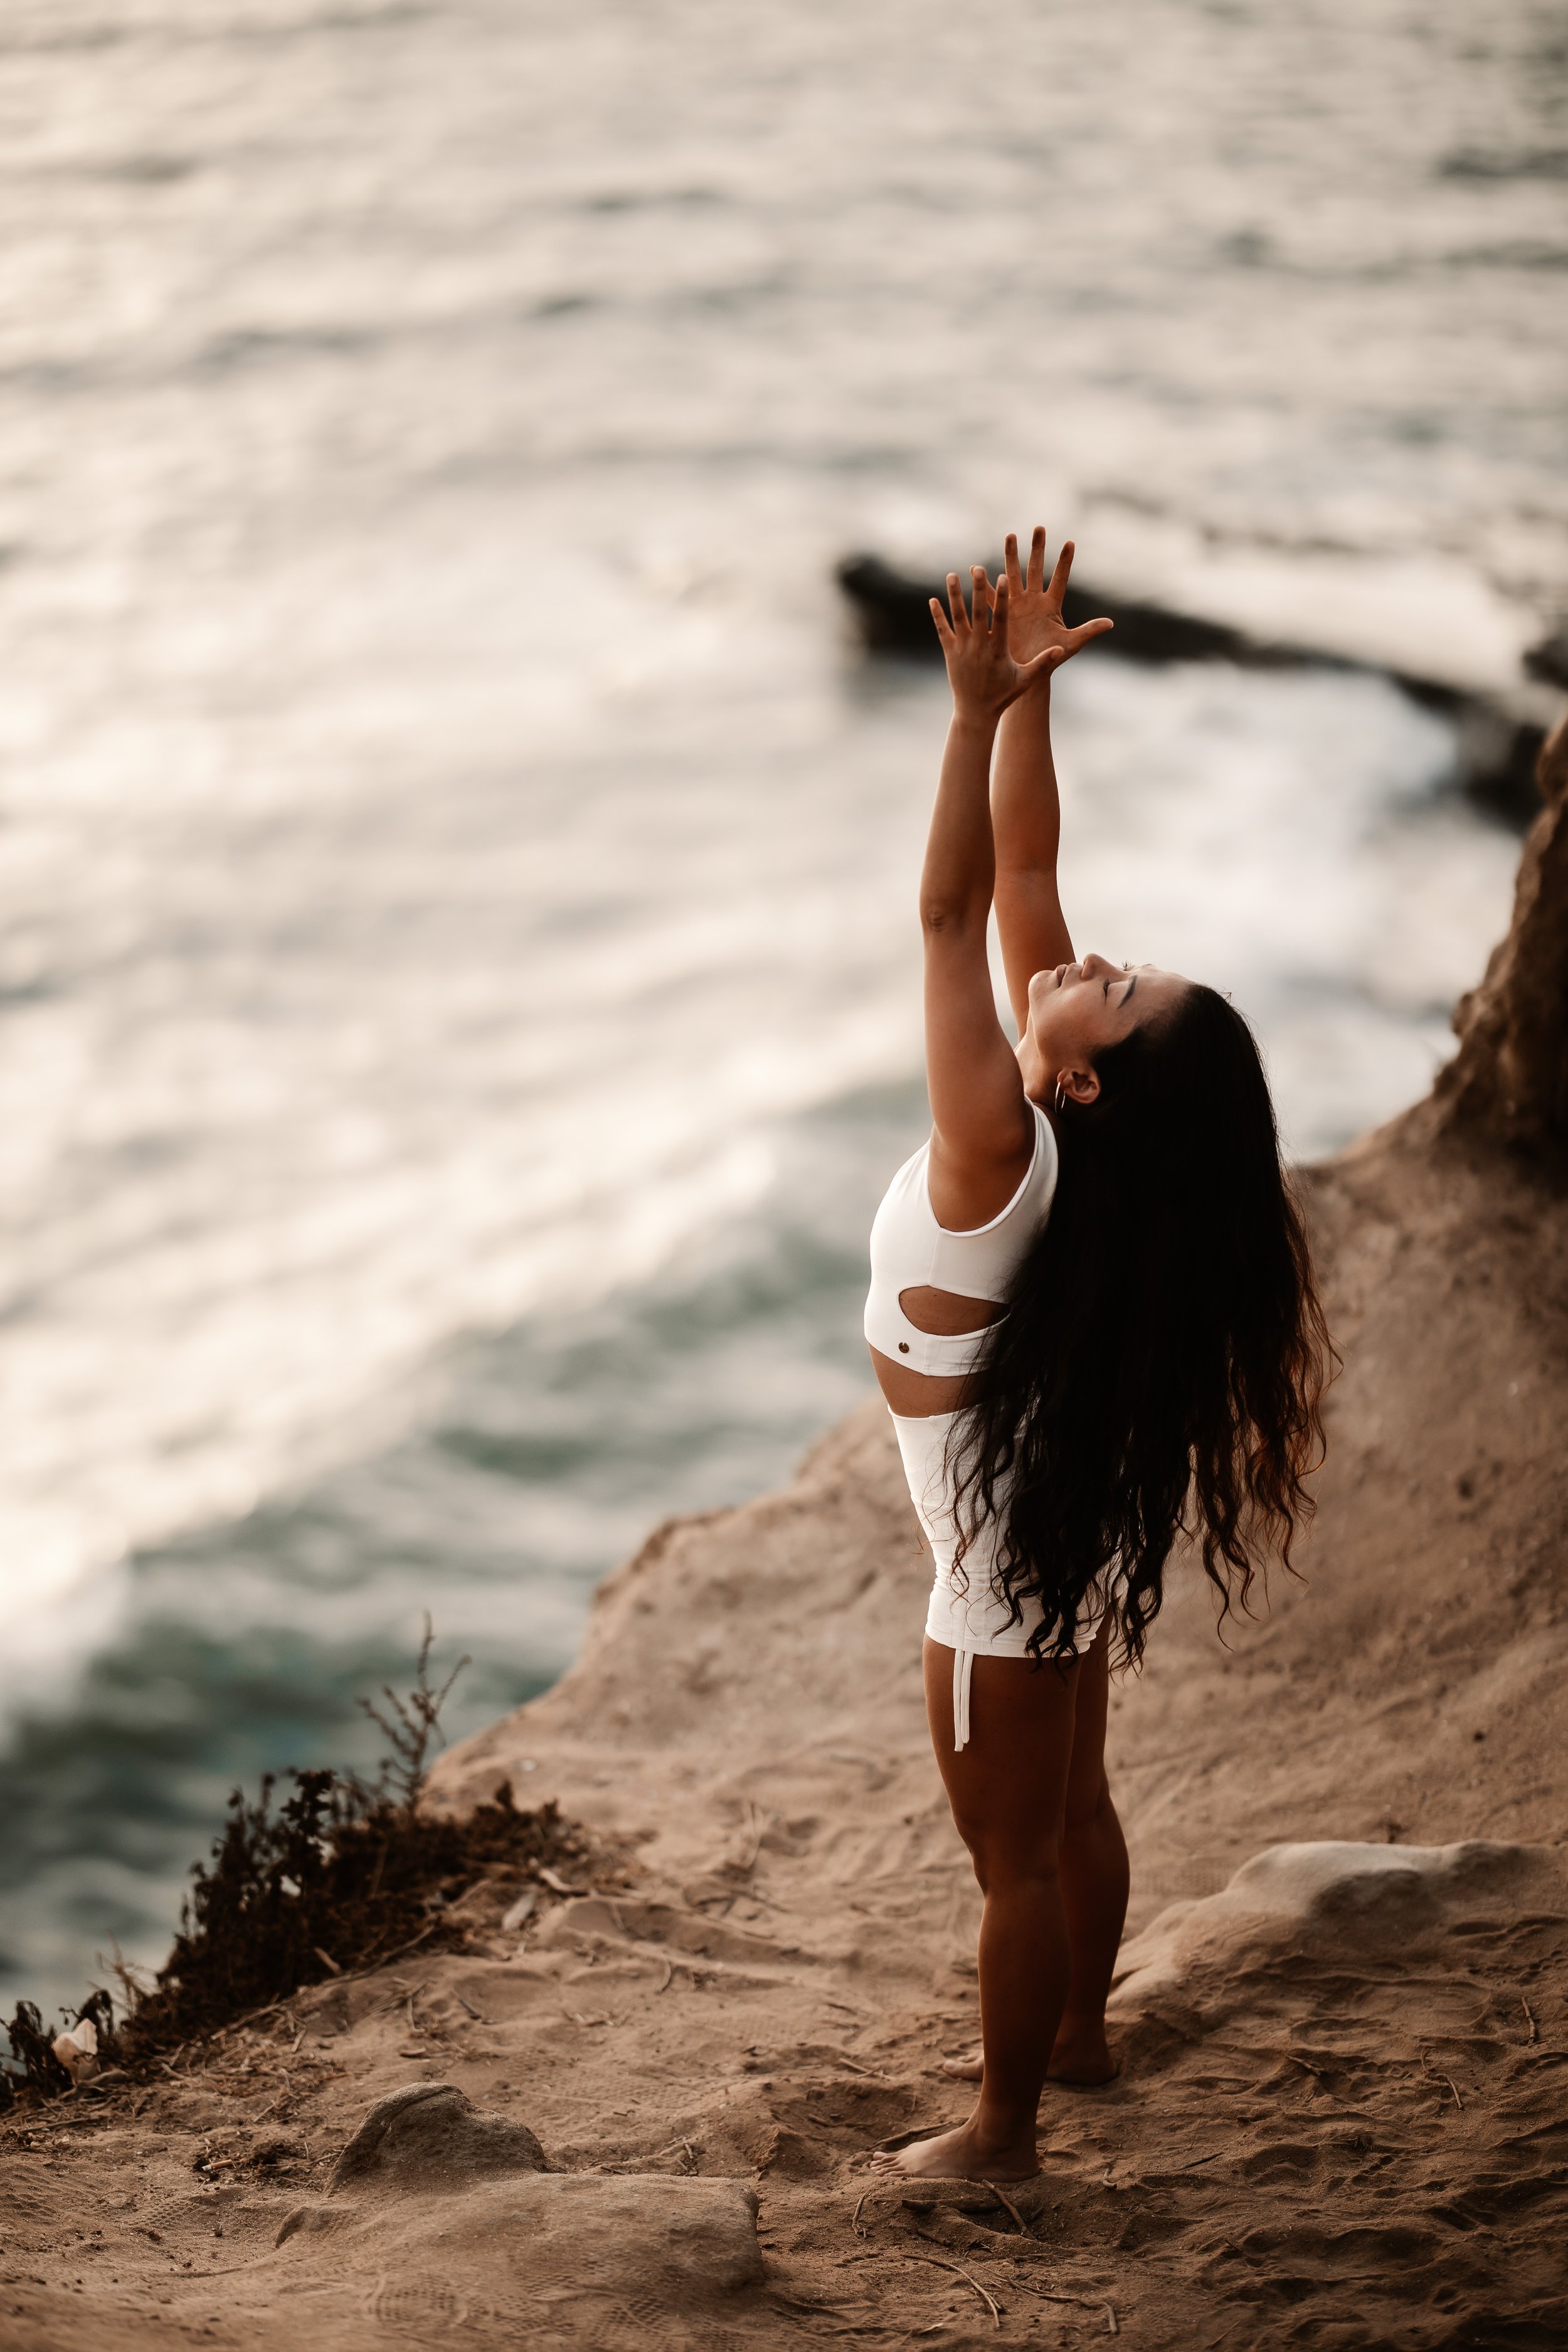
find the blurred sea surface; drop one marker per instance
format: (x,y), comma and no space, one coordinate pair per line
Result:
(460,985)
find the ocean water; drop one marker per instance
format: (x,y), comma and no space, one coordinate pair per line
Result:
(459,988)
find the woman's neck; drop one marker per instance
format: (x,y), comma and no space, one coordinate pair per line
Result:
(1036,1075)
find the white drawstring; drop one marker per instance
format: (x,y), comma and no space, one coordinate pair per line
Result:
(963,1662)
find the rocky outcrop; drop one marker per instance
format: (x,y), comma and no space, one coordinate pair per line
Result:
(428,2135)
(1510,1077)
(1337,1902)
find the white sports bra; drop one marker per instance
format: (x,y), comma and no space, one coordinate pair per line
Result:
(910,1251)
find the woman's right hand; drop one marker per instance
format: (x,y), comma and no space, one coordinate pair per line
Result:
(1036,605)
(981,668)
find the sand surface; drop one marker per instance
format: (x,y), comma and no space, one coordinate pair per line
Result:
(1342,2118)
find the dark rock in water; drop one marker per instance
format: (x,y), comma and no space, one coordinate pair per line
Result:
(1497,751)
(893,610)
(429,2135)
(1548,661)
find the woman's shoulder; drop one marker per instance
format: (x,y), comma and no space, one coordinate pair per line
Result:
(1040,1184)
(976,1202)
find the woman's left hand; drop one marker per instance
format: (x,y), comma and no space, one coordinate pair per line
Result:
(981,668)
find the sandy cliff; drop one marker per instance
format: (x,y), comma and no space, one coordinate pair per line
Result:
(1341,2119)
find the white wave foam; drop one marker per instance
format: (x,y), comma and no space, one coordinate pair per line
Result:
(439,839)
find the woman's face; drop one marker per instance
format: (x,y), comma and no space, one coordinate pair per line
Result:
(1079,1009)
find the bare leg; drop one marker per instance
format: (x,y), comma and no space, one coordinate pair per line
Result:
(1092,1865)
(1008,1793)
(1094,1883)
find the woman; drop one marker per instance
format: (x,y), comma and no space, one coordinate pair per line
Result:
(1093,1319)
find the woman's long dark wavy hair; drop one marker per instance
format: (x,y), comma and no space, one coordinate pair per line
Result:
(1162,1360)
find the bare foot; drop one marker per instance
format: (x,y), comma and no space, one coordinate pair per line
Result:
(1081,2060)
(962,2155)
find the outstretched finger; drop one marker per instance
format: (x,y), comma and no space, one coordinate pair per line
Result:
(1085,630)
(1010,551)
(955,604)
(1058,587)
(1001,604)
(944,626)
(982,595)
(1037,556)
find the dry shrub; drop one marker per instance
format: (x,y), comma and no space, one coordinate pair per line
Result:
(342,1874)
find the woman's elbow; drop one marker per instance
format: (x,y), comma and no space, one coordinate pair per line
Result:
(948,917)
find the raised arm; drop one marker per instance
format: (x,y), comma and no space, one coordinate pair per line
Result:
(982,1129)
(1025,812)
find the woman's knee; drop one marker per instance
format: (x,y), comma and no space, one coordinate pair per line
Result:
(1087,1804)
(1001,1858)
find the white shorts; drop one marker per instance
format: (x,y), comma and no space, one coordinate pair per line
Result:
(975,1622)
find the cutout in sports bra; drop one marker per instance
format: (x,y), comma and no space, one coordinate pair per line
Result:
(910,1251)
